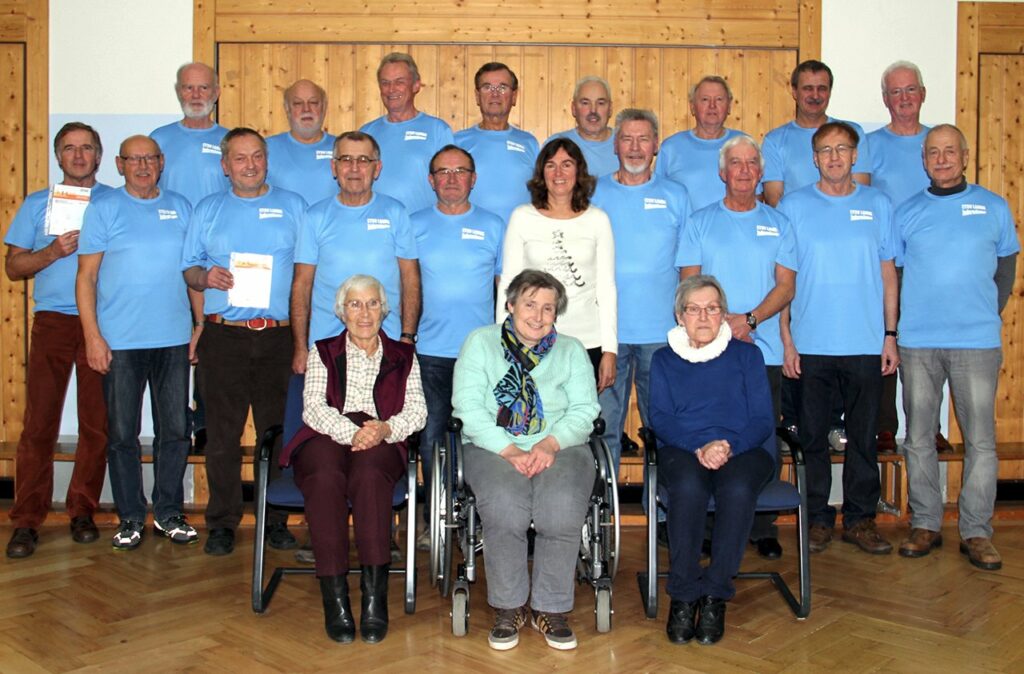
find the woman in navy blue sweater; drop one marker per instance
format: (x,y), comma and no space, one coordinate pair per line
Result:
(711,409)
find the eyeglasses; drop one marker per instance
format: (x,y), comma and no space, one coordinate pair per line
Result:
(840,150)
(694,310)
(495,89)
(361,160)
(137,159)
(909,91)
(357,305)
(458,172)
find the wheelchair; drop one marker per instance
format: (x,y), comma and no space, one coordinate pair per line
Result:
(283,493)
(455,524)
(778,495)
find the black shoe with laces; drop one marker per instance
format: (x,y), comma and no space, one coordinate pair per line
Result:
(279,538)
(220,541)
(682,616)
(711,624)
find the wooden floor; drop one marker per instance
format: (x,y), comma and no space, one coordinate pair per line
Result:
(166,608)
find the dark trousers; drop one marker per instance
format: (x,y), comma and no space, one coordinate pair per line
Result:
(57,345)
(689,485)
(858,380)
(437,374)
(888,419)
(331,477)
(239,368)
(764,523)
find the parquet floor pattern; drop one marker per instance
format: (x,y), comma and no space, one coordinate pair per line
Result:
(165,608)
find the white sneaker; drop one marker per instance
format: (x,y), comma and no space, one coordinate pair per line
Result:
(176,529)
(128,536)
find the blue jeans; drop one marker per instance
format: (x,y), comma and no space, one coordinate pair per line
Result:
(973,375)
(633,363)
(166,370)
(436,373)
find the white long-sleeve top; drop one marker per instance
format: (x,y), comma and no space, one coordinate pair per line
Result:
(579,252)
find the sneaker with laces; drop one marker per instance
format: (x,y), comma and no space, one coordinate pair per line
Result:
(556,630)
(507,623)
(279,538)
(128,536)
(423,540)
(176,529)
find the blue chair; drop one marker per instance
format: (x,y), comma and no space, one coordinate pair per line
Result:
(283,493)
(778,495)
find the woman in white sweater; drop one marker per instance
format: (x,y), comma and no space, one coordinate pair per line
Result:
(562,234)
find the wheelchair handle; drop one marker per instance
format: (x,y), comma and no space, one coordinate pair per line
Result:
(599,426)
(455,425)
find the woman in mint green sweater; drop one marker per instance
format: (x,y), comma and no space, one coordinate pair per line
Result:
(527,399)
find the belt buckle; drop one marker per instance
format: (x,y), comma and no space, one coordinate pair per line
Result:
(252,323)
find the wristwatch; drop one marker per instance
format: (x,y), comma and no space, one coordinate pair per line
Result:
(752,321)
(892,333)
(411,336)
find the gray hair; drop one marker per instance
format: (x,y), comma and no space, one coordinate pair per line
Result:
(238,132)
(184,66)
(359,282)
(583,81)
(692,284)
(535,279)
(711,79)
(635,115)
(400,57)
(902,65)
(740,139)
(964,147)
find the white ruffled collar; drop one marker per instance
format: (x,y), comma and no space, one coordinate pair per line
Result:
(680,343)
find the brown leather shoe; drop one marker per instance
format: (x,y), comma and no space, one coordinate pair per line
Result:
(864,534)
(819,537)
(920,543)
(979,550)
(886,442)
(83,529)
(942,445)
(22,543)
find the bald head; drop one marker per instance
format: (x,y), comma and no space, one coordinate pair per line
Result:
(140,161)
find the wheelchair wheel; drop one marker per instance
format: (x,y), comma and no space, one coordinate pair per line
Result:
(603,609)
(438,515)
(447,537)
(460,613)
(609,522)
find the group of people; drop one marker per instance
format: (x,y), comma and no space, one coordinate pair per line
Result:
(370,263)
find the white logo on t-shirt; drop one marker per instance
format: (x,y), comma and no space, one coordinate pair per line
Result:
(377,223)
(415,135)
(651,202)
(324,154)
(513,146)
(167,213)
(474,234)
(271,213)
(210,148)
(767,230)
(861,215)
(972,209)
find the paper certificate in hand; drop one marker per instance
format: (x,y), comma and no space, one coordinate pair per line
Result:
(65,209)
(252,273)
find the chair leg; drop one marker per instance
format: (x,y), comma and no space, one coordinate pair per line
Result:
(259,600)
(410,535)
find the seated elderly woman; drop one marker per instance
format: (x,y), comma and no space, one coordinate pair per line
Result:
(711,408)
(527,399)
(362,400)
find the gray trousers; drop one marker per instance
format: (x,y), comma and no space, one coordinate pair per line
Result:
(973,375)
(555,501)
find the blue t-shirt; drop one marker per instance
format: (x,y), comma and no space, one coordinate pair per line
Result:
(54,286)
(141,299)
(226,223)
(600,154)
(897,167)
(405,151)
(191,160)
(504,164)
(741,249)
(345,240)
(840,242)
(459,257)
(302,168)
(693,162)
(949,246)
(648,222)
(789,156)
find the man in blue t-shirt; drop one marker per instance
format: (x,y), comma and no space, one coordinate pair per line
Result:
(751,250)
(300,158)
(407,137)
(56,345)
(840,331)
(356,232)
(648,215)
(137,326)
(592,110)
(459,246)
(958,246)
(239,252)
(691,157)
(504,155)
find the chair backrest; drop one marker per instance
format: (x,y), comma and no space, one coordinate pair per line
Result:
(293,407)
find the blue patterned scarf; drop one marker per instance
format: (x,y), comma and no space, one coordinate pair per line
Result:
(520,410)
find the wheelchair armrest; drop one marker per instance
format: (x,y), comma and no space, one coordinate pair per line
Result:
(650,442)
(413,445)
(454,425)
(796,450)
(267,442)
(599,427)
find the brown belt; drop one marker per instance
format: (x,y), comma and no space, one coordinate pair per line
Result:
(253,323)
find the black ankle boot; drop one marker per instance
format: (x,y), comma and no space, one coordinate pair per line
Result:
(682,617)
(711,624)
(373,622)
(338,620)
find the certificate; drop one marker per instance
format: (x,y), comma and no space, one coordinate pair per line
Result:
(65,208)
(252,273)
